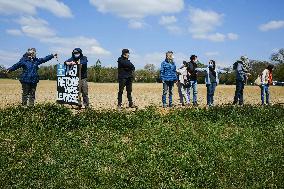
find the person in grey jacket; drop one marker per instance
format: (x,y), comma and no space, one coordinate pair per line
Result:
(241,69)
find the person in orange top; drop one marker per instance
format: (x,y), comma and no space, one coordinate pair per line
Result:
(266,81)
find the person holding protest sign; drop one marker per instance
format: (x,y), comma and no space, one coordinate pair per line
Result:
(79,59)
(29,77)
(125,78)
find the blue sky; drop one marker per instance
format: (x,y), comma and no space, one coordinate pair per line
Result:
(212,29)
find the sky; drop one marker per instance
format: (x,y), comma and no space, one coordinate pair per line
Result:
(222,30)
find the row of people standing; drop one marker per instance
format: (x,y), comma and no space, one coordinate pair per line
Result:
(185,77)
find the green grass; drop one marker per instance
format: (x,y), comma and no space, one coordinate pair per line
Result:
(224,147)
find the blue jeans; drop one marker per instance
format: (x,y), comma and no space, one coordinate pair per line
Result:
(210,93)
(193,85)
(168,86)
(239,94)
(264,92)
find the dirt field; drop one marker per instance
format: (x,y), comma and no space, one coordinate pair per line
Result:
(105,95)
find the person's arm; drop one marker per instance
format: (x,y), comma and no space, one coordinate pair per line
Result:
(223,71)
(46,59)
(201,69)
(162,71)
(15,66)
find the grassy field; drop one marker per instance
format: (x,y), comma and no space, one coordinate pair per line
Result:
(104,96)
(48,146)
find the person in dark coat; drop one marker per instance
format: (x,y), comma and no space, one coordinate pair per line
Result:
(29,77)
(125,77)
(79,58)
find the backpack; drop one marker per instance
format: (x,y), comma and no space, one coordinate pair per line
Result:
(258,80)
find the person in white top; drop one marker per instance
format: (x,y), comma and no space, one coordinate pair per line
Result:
(183,84)
(266,81)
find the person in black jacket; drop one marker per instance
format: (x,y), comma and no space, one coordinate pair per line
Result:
(79,58)
(192,69)
(125,77)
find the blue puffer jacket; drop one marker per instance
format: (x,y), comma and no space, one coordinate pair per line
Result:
(30,68)
(168,71)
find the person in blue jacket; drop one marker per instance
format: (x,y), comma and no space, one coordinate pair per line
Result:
(168,76)
(29,77)
(125,78)
(79,58)
(211,80)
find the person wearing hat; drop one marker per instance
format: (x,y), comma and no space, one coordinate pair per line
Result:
(241,68)
(79,58)
(29,77)
(168,76)
(125,78)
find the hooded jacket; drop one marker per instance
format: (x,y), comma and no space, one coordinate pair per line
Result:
(83,61)
(30,68)
(125,68)
(240,70)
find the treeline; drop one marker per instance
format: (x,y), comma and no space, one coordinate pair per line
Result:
(150,74)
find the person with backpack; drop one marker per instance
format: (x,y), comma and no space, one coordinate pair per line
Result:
(29,77)
(125,78)
(242,73)
(168,77)
(183,84)
(80,59)
(266,81)
(211,80)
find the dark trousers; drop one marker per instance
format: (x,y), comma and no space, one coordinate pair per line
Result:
(239,94)
(210,93)
(127,82)
(28,93)
(84,89)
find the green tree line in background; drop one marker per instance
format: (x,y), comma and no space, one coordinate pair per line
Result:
(150,73)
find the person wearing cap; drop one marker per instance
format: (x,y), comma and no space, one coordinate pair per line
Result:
(79,58)
(168,76)
(242,73)
(193,70)
(125,78)
(29,77)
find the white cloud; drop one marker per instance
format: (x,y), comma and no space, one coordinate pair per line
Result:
(167,20)
(14,32)
(232,36)
(8,58)
(135,24)
(35,27)
(212,54)
(215,37)
(133,9)
(29,7)
(64,45)
(174,29)
(272,25)
(203,23)
(39,29)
